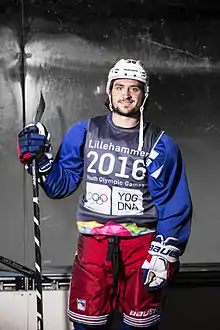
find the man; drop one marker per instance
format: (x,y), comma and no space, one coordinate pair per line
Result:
(134,217)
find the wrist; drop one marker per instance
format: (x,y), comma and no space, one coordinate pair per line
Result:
(44,164)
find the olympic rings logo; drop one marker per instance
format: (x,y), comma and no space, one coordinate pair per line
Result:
(99,199)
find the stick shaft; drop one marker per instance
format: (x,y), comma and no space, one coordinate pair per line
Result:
(37,231)
(37,240)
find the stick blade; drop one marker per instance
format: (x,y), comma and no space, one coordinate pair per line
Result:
(40,109)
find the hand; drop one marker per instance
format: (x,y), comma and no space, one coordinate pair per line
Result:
(161,263)
(34,143)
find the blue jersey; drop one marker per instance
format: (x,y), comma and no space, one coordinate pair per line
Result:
(124,186)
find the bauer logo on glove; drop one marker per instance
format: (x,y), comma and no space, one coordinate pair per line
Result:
(161,263)
(166,250)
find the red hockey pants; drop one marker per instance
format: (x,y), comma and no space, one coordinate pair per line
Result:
(96,284)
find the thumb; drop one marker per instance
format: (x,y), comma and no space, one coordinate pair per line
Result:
(150,277)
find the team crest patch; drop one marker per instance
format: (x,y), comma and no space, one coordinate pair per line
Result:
(81,304)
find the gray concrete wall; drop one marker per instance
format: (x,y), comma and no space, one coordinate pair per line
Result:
(71,71)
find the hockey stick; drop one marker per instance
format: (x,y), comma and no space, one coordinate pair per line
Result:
(36,209)
(37,233)
(22,269)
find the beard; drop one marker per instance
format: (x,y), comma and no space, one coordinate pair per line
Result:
(134,113)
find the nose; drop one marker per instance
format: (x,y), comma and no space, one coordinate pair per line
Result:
(127,93)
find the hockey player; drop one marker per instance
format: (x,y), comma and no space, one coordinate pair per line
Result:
(135,215)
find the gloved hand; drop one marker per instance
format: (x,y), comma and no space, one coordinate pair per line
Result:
(161,263)
(34,143)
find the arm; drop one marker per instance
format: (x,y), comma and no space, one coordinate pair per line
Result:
(67,169)
(169,190)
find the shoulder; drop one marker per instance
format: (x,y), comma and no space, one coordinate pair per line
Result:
(81,125)
(152,134)
(77,128)
(165,149)
(164,157)
(76,133)
(168,144)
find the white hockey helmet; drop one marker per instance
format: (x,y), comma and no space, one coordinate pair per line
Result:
(130,69)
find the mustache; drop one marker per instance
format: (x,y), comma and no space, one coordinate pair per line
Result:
(126,100)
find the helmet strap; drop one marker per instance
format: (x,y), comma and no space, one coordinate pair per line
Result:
(141,129)
(110,101)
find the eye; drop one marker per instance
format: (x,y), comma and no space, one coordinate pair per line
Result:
(118,88)
(135,89)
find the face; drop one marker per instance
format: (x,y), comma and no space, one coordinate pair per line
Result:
(127,97)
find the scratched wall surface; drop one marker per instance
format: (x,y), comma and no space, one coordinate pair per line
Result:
(69,63)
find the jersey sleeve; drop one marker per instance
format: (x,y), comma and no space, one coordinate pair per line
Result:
(67,170)
(169,190)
